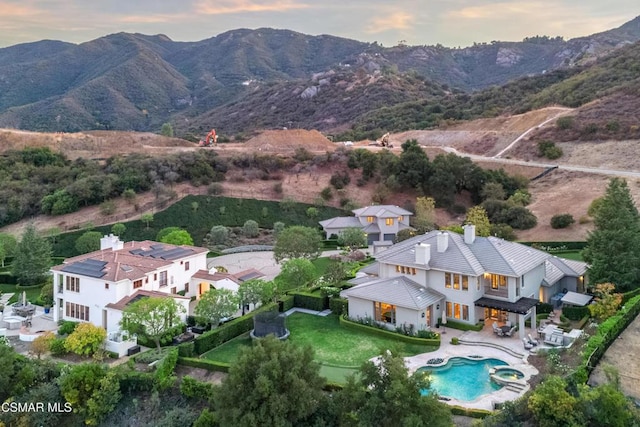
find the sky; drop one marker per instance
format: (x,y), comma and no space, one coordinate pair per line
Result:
(452,23)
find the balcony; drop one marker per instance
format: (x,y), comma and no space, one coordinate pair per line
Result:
(501,292)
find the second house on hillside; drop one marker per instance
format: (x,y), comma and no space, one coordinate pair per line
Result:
(381,223)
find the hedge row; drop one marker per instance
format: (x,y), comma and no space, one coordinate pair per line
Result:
(8,279)
(628,295)
(607,333)
(557,246)
(207,364)
(339,306)
(310,301)
(461,326)
(470,412)
(435,342)
(286,303)
(228,331)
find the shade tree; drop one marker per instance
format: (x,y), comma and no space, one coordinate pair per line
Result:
(151,317)
(216,304)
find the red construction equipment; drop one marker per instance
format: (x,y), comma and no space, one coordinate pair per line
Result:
(211,140)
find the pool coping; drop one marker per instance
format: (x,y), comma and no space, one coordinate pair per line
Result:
(486,401)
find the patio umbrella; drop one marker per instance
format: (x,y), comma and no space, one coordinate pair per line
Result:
(444,321)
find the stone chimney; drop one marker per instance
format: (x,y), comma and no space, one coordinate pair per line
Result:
(423,253)
(111,242)
(442,241)
(469,234)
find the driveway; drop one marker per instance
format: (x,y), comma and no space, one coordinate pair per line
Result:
(261,261)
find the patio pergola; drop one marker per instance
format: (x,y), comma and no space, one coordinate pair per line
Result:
(520,307)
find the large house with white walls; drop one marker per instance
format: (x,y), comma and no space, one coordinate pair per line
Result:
(97,286)
(442,274)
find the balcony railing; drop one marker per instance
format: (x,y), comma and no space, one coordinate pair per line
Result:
(502,291)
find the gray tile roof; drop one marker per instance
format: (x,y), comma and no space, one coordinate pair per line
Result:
(485,254)
(382,211)
(399,291)
(372,268)
(557,268)
(341,222)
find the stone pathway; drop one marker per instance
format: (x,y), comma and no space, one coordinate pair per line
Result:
(322,313)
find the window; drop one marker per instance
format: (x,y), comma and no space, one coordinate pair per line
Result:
(400,218)
(146,279)
(477,283)
(413,271)
(497,281)
(460,311)
(465,283)
(155,277)
(369,219)
(447,280)
(384,312)
(449,309)
(456,281)
(73,284)
(388,221)
(186,287)
(106,286)
(77,311)
(174,290)
(137,284)
(186,266)
(163,278)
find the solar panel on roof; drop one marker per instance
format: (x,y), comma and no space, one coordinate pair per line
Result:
(136,251)
(157,247)
(176,253)
(84,268)
(251,275)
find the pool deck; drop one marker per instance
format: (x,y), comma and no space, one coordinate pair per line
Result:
(509,349)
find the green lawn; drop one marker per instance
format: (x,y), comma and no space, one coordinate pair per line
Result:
(32,294)
(574,255)
(339,350)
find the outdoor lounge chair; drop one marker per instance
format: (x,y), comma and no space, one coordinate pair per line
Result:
(527,344)
(532,341)
(496,329)
(510,331)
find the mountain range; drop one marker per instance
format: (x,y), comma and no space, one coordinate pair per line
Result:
(245,80)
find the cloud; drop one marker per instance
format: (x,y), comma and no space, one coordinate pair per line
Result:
(8,10)
(148,19)
(225,7)
(394,21)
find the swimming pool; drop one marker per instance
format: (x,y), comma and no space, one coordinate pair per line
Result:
(463,379)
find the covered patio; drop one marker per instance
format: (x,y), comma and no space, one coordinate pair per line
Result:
(506,313)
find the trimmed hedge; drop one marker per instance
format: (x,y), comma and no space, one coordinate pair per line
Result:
(607,333)
(207,364)
(575,313)
(166,339)
(461,326)
(339,306)
(136,381)
(287,302)
(228,331)
(186,349)
(543,307)
(434,342)
(628,295)
(310,301)
(470,412)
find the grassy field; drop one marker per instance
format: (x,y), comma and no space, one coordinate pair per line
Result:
(340,351)
(32,294)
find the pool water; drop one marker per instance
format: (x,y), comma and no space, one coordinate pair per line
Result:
(509,374)
(463,379)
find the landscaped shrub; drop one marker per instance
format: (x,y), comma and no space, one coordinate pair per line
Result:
(186,349)
(194,389)
(136,381)
(229,330)
(67,327)
(166,339)
(543,307)
(310,301)
(7,278)
(425,333)
(339,306)
(575,313)
(57,347)
(562,221)
(207,364)
(464,326)
(164,377)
